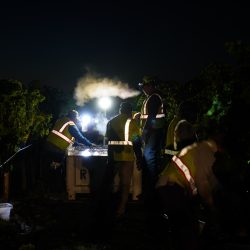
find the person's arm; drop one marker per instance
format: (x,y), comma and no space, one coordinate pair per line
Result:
(75,132)
(137,144)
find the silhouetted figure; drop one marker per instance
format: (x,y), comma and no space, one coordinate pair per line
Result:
(152,122)
(64,133)
(189,178)
(124,148)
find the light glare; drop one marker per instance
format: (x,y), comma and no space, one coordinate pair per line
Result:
(104,103)
(85,121)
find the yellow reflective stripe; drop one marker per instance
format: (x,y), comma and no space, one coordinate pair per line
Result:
(62,136)
(126,130)
(184,169)
(171,152)
(137,113)
(120,143)
(145,105)
(126,136)
(65,125)
(159,115)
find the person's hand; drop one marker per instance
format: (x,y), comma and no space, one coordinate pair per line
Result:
(78,144)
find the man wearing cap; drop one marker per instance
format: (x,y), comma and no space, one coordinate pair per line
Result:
(152,123)
(65,132)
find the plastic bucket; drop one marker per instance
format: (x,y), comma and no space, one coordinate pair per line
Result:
(5,211)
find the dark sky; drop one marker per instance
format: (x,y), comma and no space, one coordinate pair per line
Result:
(56,42)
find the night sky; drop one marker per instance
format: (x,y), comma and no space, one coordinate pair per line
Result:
(59,42)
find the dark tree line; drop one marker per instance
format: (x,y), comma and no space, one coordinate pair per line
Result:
(222,91)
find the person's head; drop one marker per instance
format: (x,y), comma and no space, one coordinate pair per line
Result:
(148,84)
(188,110)
(125,108)
(73,115)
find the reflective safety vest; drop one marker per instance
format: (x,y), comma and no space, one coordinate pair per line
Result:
(160,116)
(186,173)
(59,135)
(126,136)
(121,131)
(170,152)
(136,114)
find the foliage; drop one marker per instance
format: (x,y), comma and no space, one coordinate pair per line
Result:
(213,90)
(222,93)
(20,118)
(170,94)
(27,247)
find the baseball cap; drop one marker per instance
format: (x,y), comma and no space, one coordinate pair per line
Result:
(148,80)
(73,114)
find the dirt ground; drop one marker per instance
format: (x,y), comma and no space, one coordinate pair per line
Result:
(56,223)
(45,223)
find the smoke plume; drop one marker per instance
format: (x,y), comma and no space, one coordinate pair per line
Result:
(91,86)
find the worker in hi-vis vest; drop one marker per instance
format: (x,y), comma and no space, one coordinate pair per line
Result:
(187,177)
(64,133)
(153,130)
(124,147)
(181,129)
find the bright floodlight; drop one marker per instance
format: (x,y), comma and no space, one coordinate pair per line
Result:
(104,103)
(85,121)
